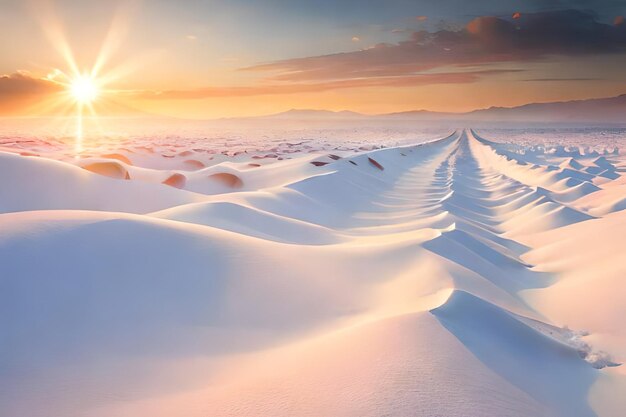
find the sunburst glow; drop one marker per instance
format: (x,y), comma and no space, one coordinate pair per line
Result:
(84,89)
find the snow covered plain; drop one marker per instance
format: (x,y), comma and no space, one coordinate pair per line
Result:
(393,275)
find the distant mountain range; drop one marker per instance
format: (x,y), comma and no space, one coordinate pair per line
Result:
(602,110)
(315,114)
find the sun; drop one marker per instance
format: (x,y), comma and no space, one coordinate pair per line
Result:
(84,89)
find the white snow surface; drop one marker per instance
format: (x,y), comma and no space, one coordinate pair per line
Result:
(458,276)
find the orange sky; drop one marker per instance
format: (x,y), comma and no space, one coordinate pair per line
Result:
(227,59)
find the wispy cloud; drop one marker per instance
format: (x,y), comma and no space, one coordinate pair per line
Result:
(560,79)
(296,88)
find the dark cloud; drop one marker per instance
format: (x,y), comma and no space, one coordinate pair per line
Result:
(484,40)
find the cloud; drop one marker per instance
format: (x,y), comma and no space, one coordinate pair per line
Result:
(21,90)
(298,88)
(356,39)
(484,40)
(561,79)
(22,84)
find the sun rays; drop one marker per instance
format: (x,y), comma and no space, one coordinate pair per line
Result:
(83,90)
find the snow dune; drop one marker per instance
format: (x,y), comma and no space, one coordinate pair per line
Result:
(456,277)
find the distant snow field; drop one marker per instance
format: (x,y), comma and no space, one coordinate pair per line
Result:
(320,272)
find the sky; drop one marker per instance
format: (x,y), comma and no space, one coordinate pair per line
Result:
(210,59)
